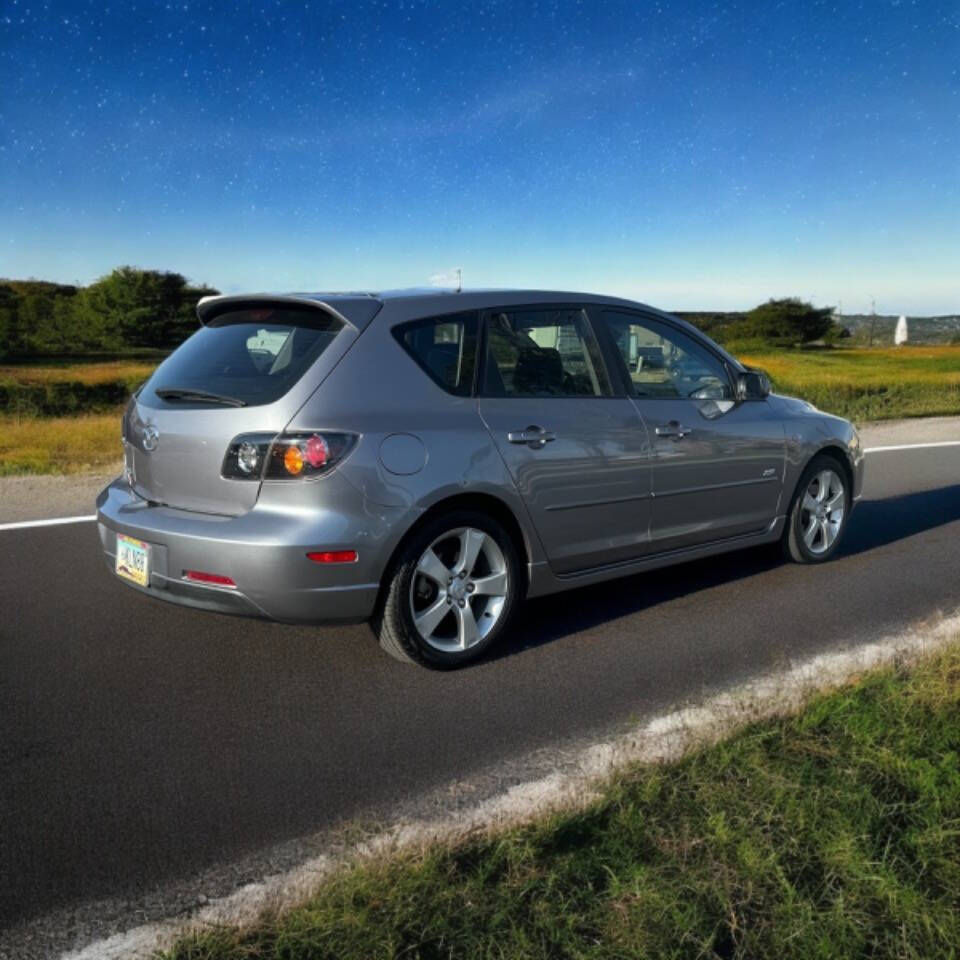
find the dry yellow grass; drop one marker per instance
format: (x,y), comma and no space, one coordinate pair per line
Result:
(59,444)
(932,365)
(869,384)
(89,374)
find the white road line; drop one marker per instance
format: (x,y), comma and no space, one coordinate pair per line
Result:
(53,522)
(912,446)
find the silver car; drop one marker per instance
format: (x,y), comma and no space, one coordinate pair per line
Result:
(425,460)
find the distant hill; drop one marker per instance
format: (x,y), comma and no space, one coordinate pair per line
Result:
(943,329)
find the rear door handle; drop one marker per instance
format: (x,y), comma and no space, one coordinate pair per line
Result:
(534,436)
(673,429)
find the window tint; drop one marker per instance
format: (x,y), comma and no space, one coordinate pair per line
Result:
(446,349)
(254,356)
(664,362)
(543,353)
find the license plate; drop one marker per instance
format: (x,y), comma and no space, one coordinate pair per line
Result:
(133,560)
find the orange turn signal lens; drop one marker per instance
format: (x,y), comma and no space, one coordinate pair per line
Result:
(293,460)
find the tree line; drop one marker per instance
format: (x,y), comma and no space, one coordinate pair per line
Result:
(125,311)
(787,322)
(131,310)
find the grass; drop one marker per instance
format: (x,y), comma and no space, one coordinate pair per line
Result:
(869,384)
(64,418)
(55,390)
(833,833)
(59,444)
(89,374)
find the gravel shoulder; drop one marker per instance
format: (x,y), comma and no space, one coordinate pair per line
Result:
(40,498)
(884,433)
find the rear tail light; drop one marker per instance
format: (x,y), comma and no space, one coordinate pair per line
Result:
(289,456)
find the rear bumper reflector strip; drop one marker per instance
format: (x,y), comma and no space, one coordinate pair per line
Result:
(214,579)
(333,556)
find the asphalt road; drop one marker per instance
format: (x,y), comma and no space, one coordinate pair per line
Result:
(142,743)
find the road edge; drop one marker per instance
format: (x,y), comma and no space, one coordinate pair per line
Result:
(661,738)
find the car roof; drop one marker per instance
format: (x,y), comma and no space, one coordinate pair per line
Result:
(356,305)
(360,307)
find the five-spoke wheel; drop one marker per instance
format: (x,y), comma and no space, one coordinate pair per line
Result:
(819,512)
(459,589)
(453,589)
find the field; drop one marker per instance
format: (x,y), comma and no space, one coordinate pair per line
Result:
(59,444)
(64,418)
(869,384)
(55,390)
(832,833)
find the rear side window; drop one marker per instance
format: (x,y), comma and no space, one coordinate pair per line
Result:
(445,348)
(249,356)
(543,353)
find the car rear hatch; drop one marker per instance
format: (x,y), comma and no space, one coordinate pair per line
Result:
(248,369)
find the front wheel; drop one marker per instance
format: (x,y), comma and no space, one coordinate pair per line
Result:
(820,512)
(452,591)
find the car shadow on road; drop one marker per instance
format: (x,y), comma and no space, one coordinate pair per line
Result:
(875,523)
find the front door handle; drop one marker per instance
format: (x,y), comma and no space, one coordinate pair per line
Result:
(534,436)
(673,429)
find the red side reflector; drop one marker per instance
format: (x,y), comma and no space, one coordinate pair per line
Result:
(198,576)
(333,556)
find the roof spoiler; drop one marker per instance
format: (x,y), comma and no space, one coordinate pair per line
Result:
(357,312)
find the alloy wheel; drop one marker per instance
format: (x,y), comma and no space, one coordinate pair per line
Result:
(822,510)
(459,589)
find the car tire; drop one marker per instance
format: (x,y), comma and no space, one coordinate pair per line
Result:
(453,590)
(819,513)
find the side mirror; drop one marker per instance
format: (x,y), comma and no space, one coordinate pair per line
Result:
(753,385)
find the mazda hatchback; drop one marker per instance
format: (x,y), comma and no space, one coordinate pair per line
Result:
(427,460)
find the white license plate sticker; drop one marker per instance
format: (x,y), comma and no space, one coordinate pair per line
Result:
(133,560)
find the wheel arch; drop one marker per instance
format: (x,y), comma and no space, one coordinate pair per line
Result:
(474,500)
(836,453)
(840,455)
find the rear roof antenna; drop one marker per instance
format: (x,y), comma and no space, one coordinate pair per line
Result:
(459,280)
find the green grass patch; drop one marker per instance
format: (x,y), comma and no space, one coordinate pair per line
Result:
(57,390)
(833,833)
(868,384)
(59,444)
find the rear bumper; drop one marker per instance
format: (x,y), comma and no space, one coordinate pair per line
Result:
(263,552)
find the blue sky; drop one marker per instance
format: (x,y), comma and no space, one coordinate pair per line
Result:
(693,155)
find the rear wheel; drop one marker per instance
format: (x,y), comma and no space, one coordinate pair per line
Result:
(452,591)
(819,514)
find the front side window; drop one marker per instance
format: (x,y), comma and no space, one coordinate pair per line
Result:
(445,348)
(543,353)
(664,362)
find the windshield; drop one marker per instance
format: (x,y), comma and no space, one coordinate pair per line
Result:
(245,357)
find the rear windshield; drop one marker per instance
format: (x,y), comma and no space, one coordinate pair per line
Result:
(250,357)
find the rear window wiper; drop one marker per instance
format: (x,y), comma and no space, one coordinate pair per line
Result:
(200,396)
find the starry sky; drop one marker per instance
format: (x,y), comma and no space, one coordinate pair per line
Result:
(692,155)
